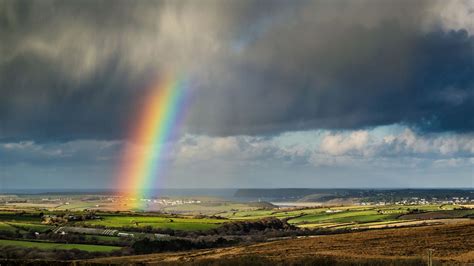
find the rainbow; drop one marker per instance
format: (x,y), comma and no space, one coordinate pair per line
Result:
(160,115)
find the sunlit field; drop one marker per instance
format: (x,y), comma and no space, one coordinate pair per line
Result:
(174,223)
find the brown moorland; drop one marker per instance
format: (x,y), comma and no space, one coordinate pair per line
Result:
(452,243)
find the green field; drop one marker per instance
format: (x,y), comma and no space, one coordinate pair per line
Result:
(27,226)
(344,217)
(186,224)
(356,214)
(373,215)
(6,227)
(209,208)
(20,217)
(14,226)
(48,245)
(259,214)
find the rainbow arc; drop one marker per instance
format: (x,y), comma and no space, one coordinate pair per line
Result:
(143,162)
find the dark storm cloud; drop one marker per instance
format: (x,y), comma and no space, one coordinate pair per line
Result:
(374,81)
(78,69)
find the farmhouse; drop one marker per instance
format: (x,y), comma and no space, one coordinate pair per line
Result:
(125,235)
(333,211)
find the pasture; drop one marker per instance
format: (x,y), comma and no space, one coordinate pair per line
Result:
(161,222)
(347,216)
(6,227)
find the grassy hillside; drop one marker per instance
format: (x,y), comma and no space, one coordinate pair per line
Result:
(187,224)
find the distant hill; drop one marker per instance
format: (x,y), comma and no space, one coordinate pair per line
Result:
(323,195)
(320,197)
(288,193)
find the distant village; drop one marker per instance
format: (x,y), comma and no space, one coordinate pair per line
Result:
(99,201)
(171,202)
(421,201)
(66,201)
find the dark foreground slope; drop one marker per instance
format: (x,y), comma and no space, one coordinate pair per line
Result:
(452,244)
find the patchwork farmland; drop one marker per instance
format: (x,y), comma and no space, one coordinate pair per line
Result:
(84,234)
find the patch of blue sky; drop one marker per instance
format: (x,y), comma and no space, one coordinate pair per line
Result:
(381,131)
(312,138)
(309,139)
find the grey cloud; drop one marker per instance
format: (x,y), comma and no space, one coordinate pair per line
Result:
(411,144)
(241,149)
(72,153)
(356,157)
(329,148)
(365,144)
(78,70)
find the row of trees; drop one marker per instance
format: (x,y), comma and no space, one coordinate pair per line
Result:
(23,253)
(149,246)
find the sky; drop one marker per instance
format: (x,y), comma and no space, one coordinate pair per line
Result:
(366,94)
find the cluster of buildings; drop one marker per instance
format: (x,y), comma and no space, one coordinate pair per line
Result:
(422,201)
(171,202)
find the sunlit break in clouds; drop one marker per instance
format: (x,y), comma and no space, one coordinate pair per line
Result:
(258,94)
